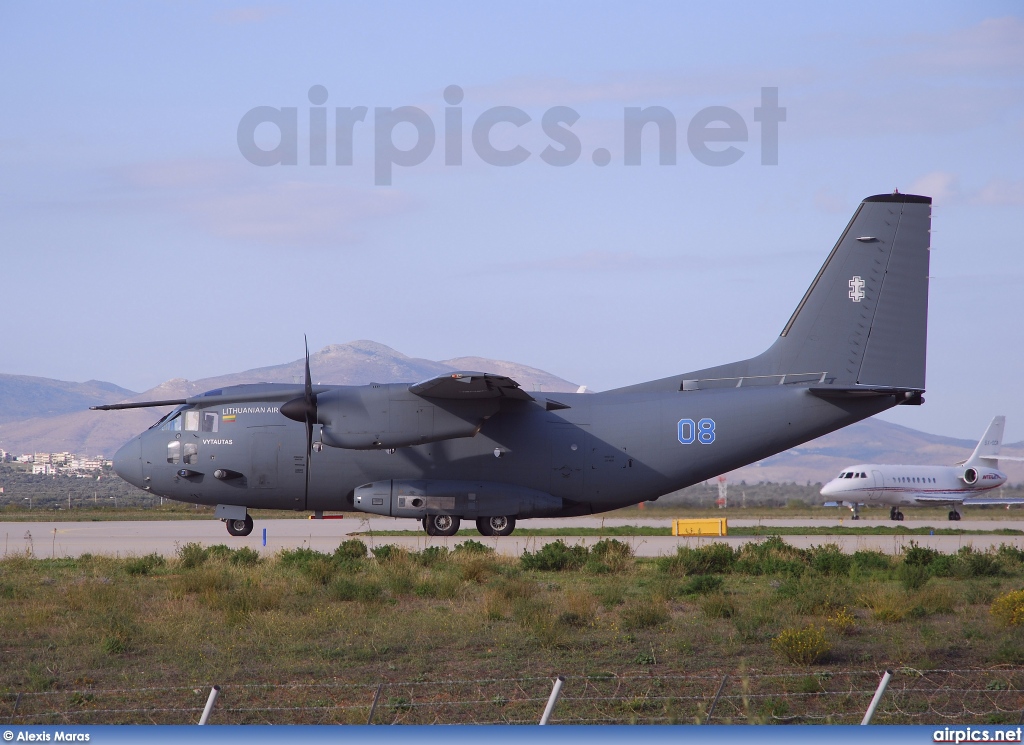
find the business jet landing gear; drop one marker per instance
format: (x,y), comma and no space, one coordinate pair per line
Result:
(441,525)
(240,527)
(895,514)
(954,515)
(853,508)
(496,525)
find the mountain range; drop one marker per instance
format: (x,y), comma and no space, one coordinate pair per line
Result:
(38,414)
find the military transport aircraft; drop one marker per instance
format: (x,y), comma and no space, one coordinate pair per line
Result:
(873,483)
(475,446)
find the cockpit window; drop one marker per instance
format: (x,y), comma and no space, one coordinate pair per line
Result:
(192,421)
(173,424)
(168,416)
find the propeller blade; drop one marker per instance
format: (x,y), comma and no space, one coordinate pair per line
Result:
(310,417)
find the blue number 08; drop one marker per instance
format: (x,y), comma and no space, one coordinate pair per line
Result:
(703,431)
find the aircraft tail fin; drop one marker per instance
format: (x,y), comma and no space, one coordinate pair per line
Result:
(863,321)
(988,446)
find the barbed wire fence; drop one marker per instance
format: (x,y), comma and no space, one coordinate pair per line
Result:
(970,696)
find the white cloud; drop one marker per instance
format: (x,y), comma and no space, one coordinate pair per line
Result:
(939,185)
(1001,192)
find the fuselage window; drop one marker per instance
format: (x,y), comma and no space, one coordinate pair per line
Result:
(210,421)
(191,454)
(173,452)
(192,421)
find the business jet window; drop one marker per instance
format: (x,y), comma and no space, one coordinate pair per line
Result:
(191,454)
(210,421)
(192,421)
(174,452)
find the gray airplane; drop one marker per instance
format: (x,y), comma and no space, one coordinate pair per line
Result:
(476,446)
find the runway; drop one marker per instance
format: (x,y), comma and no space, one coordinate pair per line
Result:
(126,538)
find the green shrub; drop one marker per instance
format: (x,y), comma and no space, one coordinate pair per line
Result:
(978,563)
(431,555)
(770,556)
(712,558)
(387,552)
(1009,608)
(473,547)
(144,564)
(915,555)
(246,557)
(802,646)
(871,561)
(300,557)
(555,557)
(191,555)
(830,561)
(351,550)
(913,576)
(219,551)
(701,584)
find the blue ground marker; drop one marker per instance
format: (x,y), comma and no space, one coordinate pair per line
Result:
(264,536)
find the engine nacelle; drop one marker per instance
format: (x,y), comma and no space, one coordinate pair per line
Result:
(466,499)
(970,476)
(381,417)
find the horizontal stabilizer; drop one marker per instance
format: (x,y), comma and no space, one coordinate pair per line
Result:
(470,385)
(907,395)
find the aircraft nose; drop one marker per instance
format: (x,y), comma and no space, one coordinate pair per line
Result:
(128,462)
(829,489)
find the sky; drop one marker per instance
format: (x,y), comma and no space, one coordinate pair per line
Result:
(139,242)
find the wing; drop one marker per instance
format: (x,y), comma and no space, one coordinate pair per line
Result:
(470,385)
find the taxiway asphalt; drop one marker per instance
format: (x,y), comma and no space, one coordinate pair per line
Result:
(128,538)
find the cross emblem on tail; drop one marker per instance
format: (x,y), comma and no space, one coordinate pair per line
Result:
(856,289)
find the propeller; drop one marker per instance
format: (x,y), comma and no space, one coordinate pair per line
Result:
(304,410)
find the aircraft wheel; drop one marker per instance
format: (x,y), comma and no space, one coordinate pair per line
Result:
(442,525)
(899,516)
(496,526)
(240,527)
(954,515)
(427,525)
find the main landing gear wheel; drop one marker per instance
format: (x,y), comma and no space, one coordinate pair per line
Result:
(496,526)
(954,515)
(240,527)
(895,514)
(441,525)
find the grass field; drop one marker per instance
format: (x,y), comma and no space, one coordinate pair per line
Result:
(471,636)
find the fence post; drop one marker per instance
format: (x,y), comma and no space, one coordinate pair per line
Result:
(877,697)
(711,710)
(214,692)
(553,699)
(373,706)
